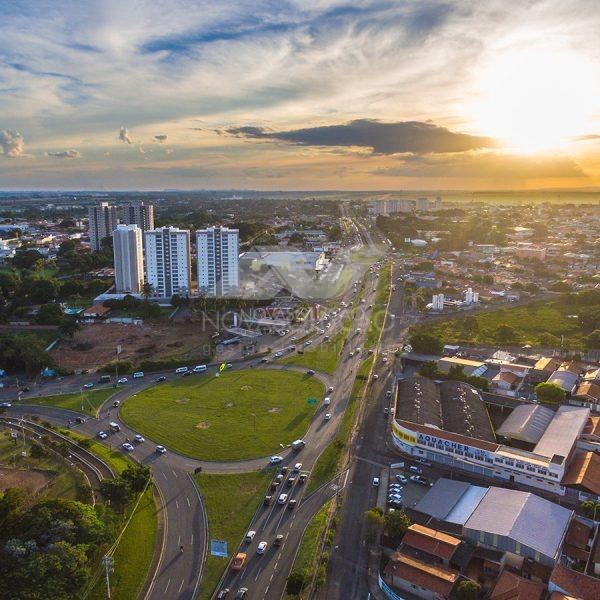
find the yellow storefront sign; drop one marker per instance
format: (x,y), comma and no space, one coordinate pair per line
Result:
(405,435)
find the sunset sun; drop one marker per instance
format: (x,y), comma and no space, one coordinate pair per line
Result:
(536,100)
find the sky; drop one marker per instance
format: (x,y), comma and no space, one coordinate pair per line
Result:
(299,94)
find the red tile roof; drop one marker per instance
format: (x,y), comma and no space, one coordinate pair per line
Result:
(584,472)
(430,577)
(510,586)
(431,541)
(575,584)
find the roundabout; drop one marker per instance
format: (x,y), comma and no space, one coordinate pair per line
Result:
(239,415)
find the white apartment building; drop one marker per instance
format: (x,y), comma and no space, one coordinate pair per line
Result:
(129,263)
(103,221)
(140,214)
(168,266)
(218,260)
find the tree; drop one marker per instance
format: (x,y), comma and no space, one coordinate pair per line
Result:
(426,343)
(117,491)
(147,290)
(548,340)
(396,524)
(10,501)
(467,590)
(136,476)
(506,334)
(550,393)
(26,259)
(374,521)
(429,369)
(591,508)
(470,326)
(50,314)
(296,582)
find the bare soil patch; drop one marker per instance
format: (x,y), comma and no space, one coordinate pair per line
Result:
(30,481)
(203,425)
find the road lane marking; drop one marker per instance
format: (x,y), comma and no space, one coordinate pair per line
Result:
(179,541)
(257,574)
(174,474)
(188,501)
(177,504)
(168,582)
(192,540)
(164,475)
(181,586)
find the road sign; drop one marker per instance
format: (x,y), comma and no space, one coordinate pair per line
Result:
(218,548)
(311,401)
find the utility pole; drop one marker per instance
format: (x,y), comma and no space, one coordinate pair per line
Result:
(109,563)
(119,349)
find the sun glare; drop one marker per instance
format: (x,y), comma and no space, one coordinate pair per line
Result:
(535,100)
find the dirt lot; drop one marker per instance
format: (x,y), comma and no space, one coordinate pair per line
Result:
(94,345)
(31,481)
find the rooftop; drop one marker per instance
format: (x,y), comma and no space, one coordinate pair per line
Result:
(419,401)
(510,586)
(430,577)
(524,517)
(527,423)
(430,541)
(561,434)
(574,583)
(584,472)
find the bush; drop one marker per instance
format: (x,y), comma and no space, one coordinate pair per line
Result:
(426,343)
(550,393)
(124,366)
(296,582)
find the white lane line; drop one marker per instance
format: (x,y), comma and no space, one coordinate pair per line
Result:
(168,582)
(192,540)
(177,504)
(181,586)
(179,541)
(174,474)
(257,574)
(271,578)
(188,501)
(164,475)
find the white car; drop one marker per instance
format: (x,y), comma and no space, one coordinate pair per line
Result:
(297,468)
(122,380)
(262,548)
(250,536)
(102,435)
(403,480)
(127,446)
(5,404)
(327,416)
(376,481)
(274,460)
(139,438)
(87,386)
(330,389)
(161,449)
(278,354)
(282,499)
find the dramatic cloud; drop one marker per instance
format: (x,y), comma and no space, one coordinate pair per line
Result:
(12,143)
(124,136)
(588,137)
(484,166)
(160,138)
(383,138)
(64,154)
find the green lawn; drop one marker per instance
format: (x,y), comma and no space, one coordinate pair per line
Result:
(379,306)
(531,323)
(231,501)
(328,462)
(134,553)
(91,400)
(239,415)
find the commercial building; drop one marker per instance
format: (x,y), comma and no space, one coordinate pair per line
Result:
(129,262)
(103,220)
(519,523)
(457,433)
(218,260)
(139,213)
(168,264)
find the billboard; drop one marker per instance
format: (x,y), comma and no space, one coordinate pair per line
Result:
(405,435)
(218,548)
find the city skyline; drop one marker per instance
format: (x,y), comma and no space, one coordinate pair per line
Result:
(321,95)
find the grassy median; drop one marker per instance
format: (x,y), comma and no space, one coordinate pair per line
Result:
(239,415)
(231,502)
(89,401)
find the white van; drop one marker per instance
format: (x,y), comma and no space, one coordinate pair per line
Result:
(180,370)
(199,368)
(138,374)
(114,426)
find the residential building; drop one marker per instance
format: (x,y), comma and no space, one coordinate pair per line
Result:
(103,221)
(139,213)
(168,264)
(218,260)
(129,263)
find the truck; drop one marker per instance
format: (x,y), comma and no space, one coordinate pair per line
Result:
(298,444)
(238,561)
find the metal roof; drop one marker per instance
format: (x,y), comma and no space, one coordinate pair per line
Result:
(527,422)
(524,517)
(561,434)
(439,501)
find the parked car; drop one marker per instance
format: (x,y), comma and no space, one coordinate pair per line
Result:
(403,480)
(419,480)
(139,438)
(161,449)
(127,446)
(376,481)
(423,462)
(415,469)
